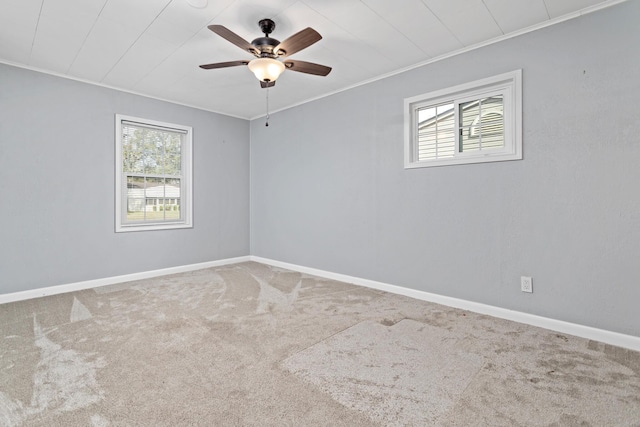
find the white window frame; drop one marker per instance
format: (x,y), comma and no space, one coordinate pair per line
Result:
(186,196)
(509,85)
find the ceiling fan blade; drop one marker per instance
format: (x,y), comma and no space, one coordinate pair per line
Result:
(267,84)
(229,35)
(308,67)
(223,64)
(297,42)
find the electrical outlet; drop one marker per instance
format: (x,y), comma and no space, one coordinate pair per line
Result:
(526,284)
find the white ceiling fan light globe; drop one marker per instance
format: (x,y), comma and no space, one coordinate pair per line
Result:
(198,4)
(266,69)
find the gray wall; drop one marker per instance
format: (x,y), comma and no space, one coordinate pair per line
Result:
(57,184)
(328,188)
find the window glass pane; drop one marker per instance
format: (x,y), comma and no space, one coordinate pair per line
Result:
(172,154)
(154,190)
(135,198)
(436,132)
(426,113)
(153,151)
(132,146)
(482,124)
(172,200)
(177,208)
(171,209)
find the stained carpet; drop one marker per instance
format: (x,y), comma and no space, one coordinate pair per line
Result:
(253,345)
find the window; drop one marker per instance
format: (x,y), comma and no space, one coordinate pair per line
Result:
(470,123)
(153,175)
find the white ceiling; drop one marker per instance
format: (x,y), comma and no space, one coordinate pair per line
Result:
(154,47)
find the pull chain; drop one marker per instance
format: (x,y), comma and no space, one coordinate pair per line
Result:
(267,121)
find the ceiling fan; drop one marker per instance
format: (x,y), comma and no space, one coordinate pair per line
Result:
(267,67)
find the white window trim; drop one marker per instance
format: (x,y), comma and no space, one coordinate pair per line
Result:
(186,200)
(508,83)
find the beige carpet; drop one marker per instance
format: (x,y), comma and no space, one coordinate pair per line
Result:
(252,345)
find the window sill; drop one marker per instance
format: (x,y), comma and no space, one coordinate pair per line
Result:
(486,158)
(151,227)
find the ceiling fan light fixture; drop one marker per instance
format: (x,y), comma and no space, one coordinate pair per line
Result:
(266,69)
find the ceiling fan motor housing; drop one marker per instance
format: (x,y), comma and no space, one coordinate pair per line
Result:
(266,44)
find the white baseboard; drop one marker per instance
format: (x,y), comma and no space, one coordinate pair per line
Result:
(608,337)
(78,286)
(614,338)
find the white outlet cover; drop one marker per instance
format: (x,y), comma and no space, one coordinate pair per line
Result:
(526,284)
